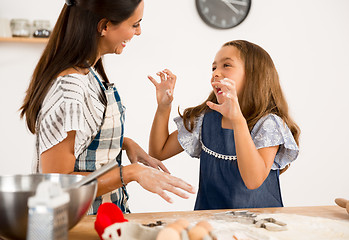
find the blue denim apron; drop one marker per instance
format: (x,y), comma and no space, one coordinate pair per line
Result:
(221,185)
(106,146)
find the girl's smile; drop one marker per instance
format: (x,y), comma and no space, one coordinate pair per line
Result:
(218,90)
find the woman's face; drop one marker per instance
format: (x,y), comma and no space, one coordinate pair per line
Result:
(228,64)
(115,37)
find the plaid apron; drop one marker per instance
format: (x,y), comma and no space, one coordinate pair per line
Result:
(106,147)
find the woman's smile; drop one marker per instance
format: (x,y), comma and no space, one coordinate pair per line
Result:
(125,42)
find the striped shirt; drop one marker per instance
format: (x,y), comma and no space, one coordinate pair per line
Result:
(73,103)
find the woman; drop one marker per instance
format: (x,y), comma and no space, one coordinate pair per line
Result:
(76,113)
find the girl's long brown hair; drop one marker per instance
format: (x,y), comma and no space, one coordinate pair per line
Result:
(262,93)
(73,42)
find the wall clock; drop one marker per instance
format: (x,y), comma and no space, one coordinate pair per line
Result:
(223,14)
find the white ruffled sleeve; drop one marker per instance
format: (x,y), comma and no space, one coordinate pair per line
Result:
(190,141)
(272,131)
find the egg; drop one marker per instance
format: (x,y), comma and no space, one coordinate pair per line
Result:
(183,222)
(168,233)
(197,233)
(206,225)
(176,226)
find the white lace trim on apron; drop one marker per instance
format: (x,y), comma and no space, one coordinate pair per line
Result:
(217,155)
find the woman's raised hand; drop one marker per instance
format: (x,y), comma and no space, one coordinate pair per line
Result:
(164,88)
(158,182)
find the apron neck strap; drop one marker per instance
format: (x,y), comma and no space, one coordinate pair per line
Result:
(97,78)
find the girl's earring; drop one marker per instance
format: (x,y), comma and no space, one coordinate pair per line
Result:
(102,34)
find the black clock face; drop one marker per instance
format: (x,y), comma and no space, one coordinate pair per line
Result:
(223,14)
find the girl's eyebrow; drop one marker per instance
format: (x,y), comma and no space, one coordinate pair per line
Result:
(224,59)
(228,58)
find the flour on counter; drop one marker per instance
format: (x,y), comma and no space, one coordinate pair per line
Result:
(299,227)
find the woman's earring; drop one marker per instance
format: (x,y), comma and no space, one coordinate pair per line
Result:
(102,34)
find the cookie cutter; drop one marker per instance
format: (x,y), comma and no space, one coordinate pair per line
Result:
(271,224)
(247,217)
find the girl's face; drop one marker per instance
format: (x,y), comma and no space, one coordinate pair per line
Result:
(115,37)
(228,64)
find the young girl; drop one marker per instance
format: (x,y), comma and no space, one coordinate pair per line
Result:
(243,133)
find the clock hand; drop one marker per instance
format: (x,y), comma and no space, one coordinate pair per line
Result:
(241,3)
(231,6)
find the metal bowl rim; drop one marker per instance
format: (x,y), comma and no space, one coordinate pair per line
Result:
(78,177)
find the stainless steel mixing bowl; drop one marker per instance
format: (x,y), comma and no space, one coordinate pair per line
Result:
(15,191)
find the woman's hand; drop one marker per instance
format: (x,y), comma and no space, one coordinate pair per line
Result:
(230,107)
(164,89)
(158,182)
(136,154)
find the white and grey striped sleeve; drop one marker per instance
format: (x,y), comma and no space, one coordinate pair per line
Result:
(67,107)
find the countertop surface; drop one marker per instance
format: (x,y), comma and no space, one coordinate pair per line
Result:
(85,228)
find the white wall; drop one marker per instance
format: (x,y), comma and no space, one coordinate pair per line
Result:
(308,41)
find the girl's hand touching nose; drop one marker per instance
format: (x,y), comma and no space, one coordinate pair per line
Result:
(164,89)
(229,107)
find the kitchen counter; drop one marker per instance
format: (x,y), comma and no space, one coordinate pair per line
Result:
(85,228)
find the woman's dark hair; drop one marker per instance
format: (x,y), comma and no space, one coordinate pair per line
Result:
(73,42)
